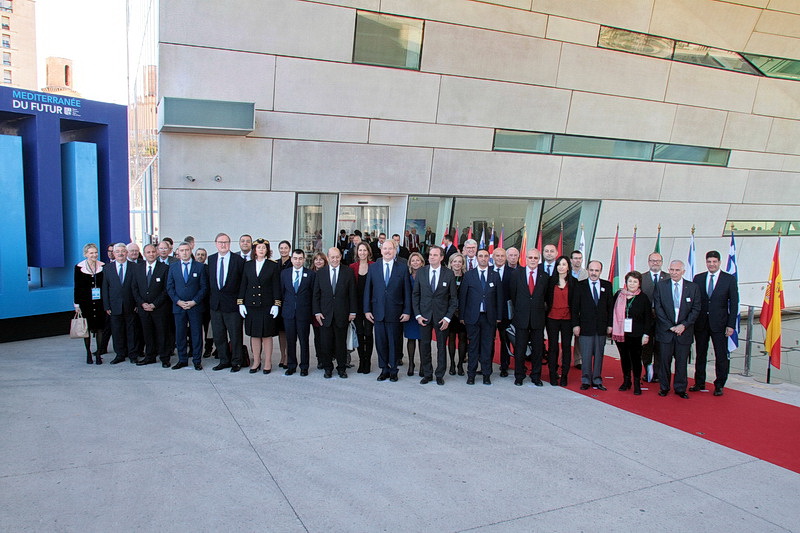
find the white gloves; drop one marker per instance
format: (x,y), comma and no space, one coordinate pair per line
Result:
(274,311)
(242,310)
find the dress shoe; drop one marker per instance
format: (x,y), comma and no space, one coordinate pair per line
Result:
(637,389)
(164,364)
(663,392)
(89,360)
(563,381)
(624,387)
(145,362)
(471,381)
(198,366)
(518,382)
(343,374)
(400,362)
(221,366)
(696,388)
(537,382)
(460,371)
(117,360)
(452,371)
(383,376)
(266,371)
(718,391)
(289,372)
(584,386)
(683,395)
(254,370)
(487,380)
(504,373)
(134,360)
(319,366)
(440,381)
(393,377)
(97,359)
(578,366)
(410,370)
(600,386)
(425,380)
(328,374)
(179,365)
(235,368)
(554,382)
(304,372)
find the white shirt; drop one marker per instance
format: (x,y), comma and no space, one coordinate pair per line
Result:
(124,267)
(245,256)
(390,264)
(259,265)
(433,274)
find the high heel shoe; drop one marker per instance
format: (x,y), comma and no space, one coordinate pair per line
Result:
(254,370)
(97,359)
(267,370)
(637,389)
(411,369)
(89,360)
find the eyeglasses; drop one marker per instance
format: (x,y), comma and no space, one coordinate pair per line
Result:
(222,242)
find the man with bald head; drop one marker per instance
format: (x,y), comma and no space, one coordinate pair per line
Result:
(333,302)
(512,257)
(677,305)
(592,318)
(134,253)
(549,254)
(529,285)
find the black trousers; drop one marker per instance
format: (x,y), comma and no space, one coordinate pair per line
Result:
(522,337)
(630,358)
(722,361)
(154,332)
(480,337)
(505,355)
(556,328)
(425,356)
(227,327)
(334,346)
(297,330)
(366,339)
(123,330)
(679,352)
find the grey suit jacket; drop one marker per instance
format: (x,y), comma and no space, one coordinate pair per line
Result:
(665,311)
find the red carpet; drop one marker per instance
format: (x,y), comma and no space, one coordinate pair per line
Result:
(763,428)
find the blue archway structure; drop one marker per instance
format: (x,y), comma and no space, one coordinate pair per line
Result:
(63,183)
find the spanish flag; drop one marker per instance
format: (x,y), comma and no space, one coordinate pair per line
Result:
(771,310)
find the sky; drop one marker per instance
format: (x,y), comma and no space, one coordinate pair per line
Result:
(92,34)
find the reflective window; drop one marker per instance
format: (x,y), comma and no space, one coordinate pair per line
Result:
(593,147)
(429,216)
(388,41)
(776,67)
(571,216)
(675,153)
(711,57)
(509,218)
(637,43)
(761,227)
(315,230)
(523,141)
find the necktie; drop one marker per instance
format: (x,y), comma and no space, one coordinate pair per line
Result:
(655,279)
(676,296)
(595,294)
(710,285)
(483,279)
(470,264)
(549,271)
(186,272)
(531,283)
(433,281)
(333,282)
(386,275)
(221,272)
(121,275)
(149,273)
(296,280)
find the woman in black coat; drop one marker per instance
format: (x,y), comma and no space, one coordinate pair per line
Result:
(259,303)
(560,298)
(87,300)
(632,319)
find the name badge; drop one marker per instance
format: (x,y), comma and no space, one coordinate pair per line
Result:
(491,284)
(602,289)
(194,274)
(158,280)
(444,284)
(95,294)
(628,325)
(305,274)
(688,299)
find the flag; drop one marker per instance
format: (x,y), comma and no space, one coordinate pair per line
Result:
(582,246)
(524,250)
(688,275)
(446,232)
(482,243)
(539,238)
(491,242)
(502,230)
(632,260)
(657,249)
(469,233)
(455,237)
(561,241)
(613,271)
(733,270)
(771,310)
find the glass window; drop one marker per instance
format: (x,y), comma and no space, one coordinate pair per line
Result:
(637,43)
(387,41)
(776,67)
(6,23)
(6,58)
(6,41)
(760,227)
(6,5)
(522,141)
(574,215)
(593,147)
(316,223)
(711,57)
(429,216)
(676,153)
(7,76)
(509,217)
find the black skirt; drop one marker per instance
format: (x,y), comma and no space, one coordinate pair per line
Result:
(259,323)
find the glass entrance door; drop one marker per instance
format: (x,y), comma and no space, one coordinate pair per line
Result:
(367,218)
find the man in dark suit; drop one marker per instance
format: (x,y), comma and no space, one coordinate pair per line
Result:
(592,318)
(376,245)
(119,304)
(187,285)
(480,304)
(677,306)
(412,240)
(435,300)
(402,251)
(528,292)
(504,271)
(152,300)
(225,276)
(297,288)
(449,249)
(719,305)
(334,305)
(650,279)
(387,304)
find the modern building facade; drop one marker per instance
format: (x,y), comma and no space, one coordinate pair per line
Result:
(18,44)
(291,119)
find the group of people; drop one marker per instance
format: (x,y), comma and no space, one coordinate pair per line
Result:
(159,302)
